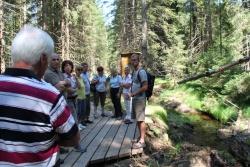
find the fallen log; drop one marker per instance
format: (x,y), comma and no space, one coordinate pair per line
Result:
(211,72)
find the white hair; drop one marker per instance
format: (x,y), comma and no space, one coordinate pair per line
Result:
(30,44)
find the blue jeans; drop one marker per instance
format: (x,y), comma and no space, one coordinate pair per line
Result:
(72,106)
(87,102)
(81,109)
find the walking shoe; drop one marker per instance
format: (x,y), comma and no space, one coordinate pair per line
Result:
(103,115)
(61,161)
(119,118)
(83,123)
(95,116)
(88,121)
(139,145)
(127,121)
(63,150)
(80,149)
(135,140)
(81,127)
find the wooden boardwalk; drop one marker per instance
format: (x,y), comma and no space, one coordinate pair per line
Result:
(106,139)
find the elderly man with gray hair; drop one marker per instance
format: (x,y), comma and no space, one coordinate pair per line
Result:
(34,117)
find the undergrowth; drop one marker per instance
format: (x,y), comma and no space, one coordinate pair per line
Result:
(204,99)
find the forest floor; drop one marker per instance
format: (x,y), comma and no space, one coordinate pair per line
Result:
(182,140)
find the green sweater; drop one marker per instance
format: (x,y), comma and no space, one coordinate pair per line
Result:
(81,90)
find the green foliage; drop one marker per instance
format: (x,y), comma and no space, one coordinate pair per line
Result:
(238,88)
(183,40)
(222,113)
(90,33)
(77,27)
(203,99)
(158,112)
(162,115)
(174,151)
(166,83)
(228,158)
(166,47)
(160,81)
(246,112)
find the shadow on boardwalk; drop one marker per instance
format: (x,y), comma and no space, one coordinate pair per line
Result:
(106,139)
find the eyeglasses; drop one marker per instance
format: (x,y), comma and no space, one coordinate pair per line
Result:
(55,59)
(79,69)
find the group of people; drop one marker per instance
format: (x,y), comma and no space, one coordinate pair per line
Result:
(43,107)
(118,86)
(73,86)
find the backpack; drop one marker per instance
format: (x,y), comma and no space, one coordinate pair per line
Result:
(151,82)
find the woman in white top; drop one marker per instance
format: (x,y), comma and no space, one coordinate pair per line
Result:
(100,94)
(126,85)
(67,69)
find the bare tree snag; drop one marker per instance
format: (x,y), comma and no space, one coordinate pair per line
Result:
(219,70)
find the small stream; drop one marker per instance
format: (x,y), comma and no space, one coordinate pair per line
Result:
(196,128)
(197,136)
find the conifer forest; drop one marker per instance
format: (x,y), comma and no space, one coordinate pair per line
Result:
(199,51)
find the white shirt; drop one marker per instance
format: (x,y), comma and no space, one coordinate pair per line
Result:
(101,85)
(125,80)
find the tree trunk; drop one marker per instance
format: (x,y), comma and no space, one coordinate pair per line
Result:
(44,15)
(220,18)
(1,34)
(65,37)
(210,27)
(144,31)
(190,34)
(219,70)
(23,13)
(133,41)
(124,42)
(62,38)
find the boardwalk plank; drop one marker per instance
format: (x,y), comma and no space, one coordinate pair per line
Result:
(114,149)
(104,147)
(127,145)
(73,156)
(83,134)
(89,128)
(85,158)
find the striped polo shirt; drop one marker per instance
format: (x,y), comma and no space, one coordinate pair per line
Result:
(33,115)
